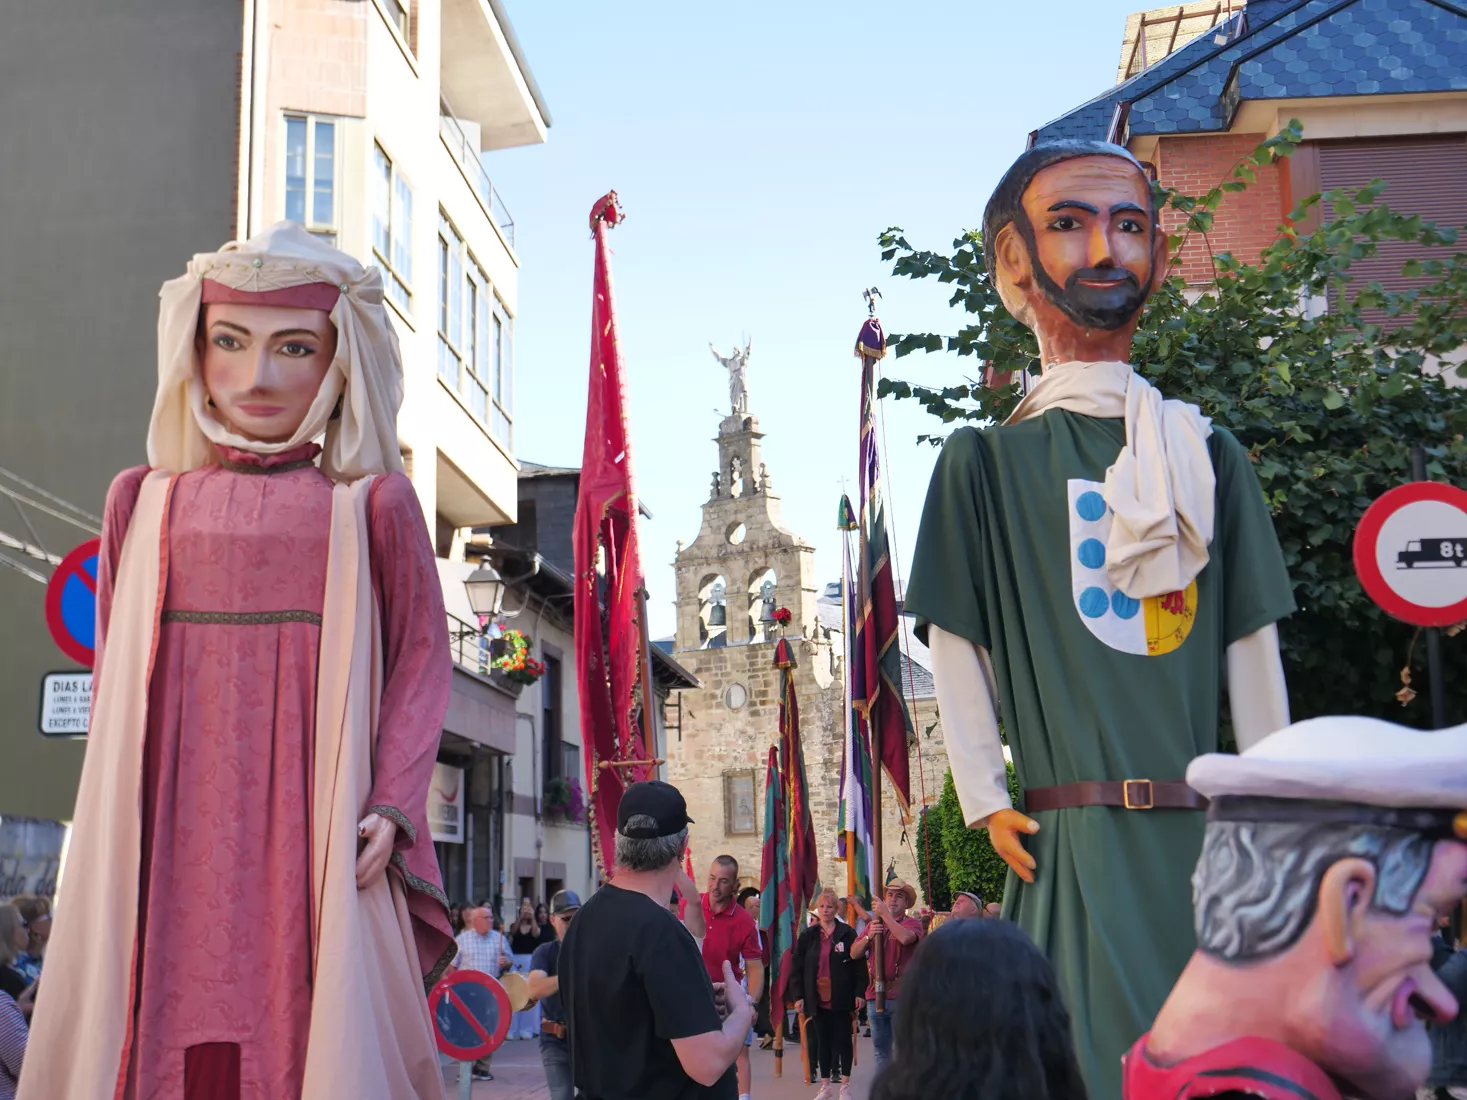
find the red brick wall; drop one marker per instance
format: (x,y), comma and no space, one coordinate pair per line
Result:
(1246,222)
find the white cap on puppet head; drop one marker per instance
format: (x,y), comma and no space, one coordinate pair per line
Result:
(284,265)
(1363,761)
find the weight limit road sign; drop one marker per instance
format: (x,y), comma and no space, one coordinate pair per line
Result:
(1411,553)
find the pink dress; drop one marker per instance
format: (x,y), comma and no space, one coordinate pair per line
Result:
(223,961)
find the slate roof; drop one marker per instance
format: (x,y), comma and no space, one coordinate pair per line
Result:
(1285,49)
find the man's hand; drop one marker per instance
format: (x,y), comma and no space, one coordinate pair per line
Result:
(800,1007)
(380,833)
(860,1003)
(1004,830)
(878,908)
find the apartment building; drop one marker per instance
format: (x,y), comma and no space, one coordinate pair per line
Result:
(146,132)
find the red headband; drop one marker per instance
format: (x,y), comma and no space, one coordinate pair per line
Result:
(305,296)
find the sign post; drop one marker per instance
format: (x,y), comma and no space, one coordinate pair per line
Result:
(66,704)
(1411,557)
(471,1014)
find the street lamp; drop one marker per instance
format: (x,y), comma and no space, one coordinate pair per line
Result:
(485,588)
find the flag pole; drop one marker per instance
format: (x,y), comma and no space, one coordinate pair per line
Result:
(649,721)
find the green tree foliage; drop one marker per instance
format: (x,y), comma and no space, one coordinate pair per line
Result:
(1328,402)
(931,861)
(972,864)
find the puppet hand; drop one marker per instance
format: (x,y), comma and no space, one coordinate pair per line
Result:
(1004,830)
(380,833)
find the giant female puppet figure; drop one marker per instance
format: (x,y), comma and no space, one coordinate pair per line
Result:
(251,901)
(1091,571)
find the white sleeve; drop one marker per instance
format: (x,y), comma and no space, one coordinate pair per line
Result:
(1256,688)
(965,698)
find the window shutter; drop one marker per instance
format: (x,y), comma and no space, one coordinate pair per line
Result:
(1424,174)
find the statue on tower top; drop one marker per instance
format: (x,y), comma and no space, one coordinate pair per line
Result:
(738,391)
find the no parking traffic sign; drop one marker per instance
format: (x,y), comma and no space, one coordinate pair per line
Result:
(71,602)
(1411,553)
(470,1015)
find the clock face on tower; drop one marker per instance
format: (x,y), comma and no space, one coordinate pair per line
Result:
(736,696)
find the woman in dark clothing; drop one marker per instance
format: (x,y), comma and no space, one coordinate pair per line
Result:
(826,985)
(542,918)
(981,1016)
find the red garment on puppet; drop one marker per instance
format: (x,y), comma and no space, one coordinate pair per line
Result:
(224,936)
(1250,1066)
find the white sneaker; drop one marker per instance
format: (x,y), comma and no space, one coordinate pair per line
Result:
(845,1091)
(827,1092)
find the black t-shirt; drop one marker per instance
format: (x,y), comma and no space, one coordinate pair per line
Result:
(631,981)
(545,958)
(522,943)
(12,981)
(547,933)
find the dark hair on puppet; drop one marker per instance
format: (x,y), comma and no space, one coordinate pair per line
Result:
(1007,202)
(981,1017)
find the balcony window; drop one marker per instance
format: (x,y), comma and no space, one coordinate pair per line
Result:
(463,313)
(392,228)
(501,372)
(310,174)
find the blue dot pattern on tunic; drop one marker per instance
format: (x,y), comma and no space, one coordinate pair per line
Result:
(1091,553)
(1123,605)
(1094,603)
(1090,505)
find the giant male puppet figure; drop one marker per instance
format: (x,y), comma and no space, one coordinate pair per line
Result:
(1332,851)
(251,901)
(1087,571)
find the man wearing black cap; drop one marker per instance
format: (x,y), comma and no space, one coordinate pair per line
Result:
(642,1015)
(544,986)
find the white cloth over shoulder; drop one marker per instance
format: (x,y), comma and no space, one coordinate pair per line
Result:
(1161,487)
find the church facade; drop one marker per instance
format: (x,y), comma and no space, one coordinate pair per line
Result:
(743,565)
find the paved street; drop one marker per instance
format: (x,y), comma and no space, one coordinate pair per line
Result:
(519,1076)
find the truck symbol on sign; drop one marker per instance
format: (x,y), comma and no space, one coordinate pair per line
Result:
(1429,553)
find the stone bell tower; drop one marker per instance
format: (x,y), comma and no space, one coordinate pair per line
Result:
(743,565)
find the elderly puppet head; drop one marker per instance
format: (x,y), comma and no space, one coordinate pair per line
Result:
(1073,243)
(1331,923)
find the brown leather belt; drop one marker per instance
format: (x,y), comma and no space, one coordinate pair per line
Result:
(1131,794)
(550,1027)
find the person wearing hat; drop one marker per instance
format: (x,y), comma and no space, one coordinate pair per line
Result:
(900,935)
(644,1019)
(544,985)
(967,905)
(1331,851)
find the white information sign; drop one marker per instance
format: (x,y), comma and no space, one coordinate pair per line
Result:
(446,804)
(66,704)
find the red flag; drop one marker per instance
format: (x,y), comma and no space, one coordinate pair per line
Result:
(608,564)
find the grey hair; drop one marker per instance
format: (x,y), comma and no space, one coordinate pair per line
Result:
(648,854)
(1256,886)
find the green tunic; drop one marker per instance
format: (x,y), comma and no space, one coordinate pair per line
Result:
(1094,685)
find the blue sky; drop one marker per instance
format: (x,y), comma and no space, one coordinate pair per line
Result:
(759,148)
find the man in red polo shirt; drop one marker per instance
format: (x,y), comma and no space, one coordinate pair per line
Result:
(732,937)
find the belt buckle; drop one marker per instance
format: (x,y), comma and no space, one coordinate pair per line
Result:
(1141,801)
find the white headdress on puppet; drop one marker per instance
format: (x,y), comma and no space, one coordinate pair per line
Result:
(283,266)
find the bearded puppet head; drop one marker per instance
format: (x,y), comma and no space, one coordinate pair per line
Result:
(1072,239)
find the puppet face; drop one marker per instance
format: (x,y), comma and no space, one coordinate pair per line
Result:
(1385,991)
(1091,247)
(263,365)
